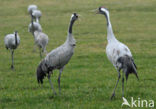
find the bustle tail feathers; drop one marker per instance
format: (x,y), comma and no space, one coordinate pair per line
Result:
(40,73)
(42,70)
(128,66)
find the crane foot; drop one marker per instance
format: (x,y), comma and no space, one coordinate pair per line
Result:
(113,95)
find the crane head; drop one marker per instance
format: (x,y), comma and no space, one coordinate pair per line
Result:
(74,16)
(16,32)
(102,10)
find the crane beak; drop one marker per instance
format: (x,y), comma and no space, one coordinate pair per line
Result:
(79,14)
(96,11)
(79,17)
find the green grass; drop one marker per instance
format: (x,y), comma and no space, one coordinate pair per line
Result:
(88,80)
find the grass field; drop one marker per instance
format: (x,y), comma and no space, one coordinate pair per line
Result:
(88,80)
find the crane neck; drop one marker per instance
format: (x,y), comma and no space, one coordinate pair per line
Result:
(37,20)
(71,26)
(32,24)
(16,38)
(70,38)
(110,34)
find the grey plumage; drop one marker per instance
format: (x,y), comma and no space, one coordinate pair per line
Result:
(58,57)
(36,27)
(41,40)
(37,15)
(31,8)
(11,42)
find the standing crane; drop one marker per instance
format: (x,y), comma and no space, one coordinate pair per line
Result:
(40,38)
(36,27)
(11,42)
(118,53)
(58,57)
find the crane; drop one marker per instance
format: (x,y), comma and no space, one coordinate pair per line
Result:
(11,42)
(58,57)
(40,38)
(118,53)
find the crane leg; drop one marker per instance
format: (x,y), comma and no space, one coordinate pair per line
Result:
(34,48)
(51,84)
(59,78)
(44,50)
(40,53)
(113,95)
(12,56)
(123,85)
